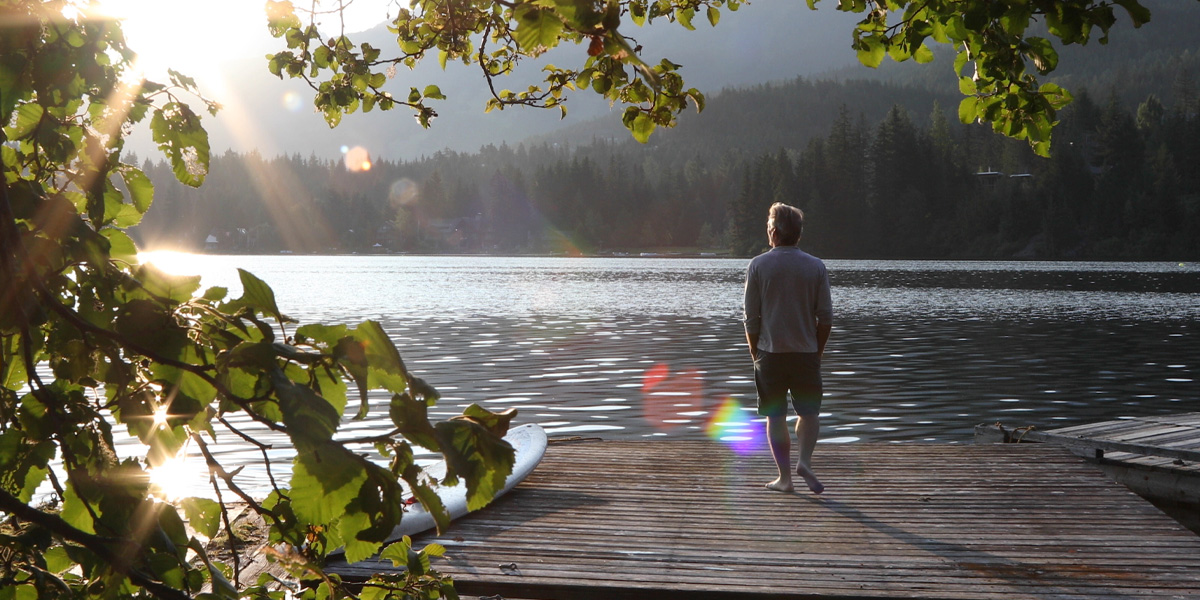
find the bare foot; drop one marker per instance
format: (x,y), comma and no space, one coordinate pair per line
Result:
(781,486)
(810,478)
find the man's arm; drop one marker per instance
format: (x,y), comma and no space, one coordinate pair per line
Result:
(752,307)
(824,312)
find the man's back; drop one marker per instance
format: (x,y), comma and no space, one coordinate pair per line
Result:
(787,290)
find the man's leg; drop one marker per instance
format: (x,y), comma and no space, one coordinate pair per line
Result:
(781,448)
(807,392)
(808,428)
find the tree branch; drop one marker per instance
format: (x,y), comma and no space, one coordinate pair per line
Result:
(100,546)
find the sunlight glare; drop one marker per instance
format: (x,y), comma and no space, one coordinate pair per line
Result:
(177,477)
(190,36)
(160,417)
(170,261)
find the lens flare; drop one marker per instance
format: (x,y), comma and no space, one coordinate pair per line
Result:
(561,243)
(671,400)
(403,192)
(654,376)
(292,101)
(735,427)
(357,159)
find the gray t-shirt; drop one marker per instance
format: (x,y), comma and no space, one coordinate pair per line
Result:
(787,292)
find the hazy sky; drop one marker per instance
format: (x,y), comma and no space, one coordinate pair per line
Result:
(770,40)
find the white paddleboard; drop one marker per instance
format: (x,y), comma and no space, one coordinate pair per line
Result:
(529,443)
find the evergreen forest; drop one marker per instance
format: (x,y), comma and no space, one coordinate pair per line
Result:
(882,170)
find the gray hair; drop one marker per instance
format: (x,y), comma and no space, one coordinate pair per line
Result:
(788,222)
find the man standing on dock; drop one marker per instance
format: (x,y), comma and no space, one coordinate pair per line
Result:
(789,315)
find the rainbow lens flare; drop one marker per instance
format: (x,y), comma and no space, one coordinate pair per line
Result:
(735,427)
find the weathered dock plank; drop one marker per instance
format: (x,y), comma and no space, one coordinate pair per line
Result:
(691,520)
(1171,436)
(1158,457)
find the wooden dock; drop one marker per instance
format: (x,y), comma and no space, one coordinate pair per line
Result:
(667,519)
(1158,457)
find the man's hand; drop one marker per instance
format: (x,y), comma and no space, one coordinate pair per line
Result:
(752,341)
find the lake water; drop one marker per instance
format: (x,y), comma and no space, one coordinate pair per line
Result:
(636,348)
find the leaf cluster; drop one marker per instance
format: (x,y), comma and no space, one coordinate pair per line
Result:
(496,37)
(95,346)
(996,39)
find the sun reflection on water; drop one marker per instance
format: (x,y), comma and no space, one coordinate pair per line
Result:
(171,262)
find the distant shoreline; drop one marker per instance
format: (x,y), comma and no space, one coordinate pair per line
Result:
(681,254)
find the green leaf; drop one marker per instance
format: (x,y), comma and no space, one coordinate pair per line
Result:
(956,28)
(714,16)
(637,13)
(215,293)
(923,55)
(322,56)
(537,29)
(24,463)
(685,16)
(434,92)
(327,334)
(332,115)
(177,288)
(172,526)
(57,560)
(325,479)
(481,458)
(1042,53)
(1139,14)
(310,419)
(641,127)
(257,295)
(355,549)
(141,190)
(333,389)
(411,417)
(26,591)
(153,326)
(968,109)
(179,134)
(871,51)
(496,423)
(120,245)
(960,61)
(385,367)
(28,118)
(75,513)
(397,552)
